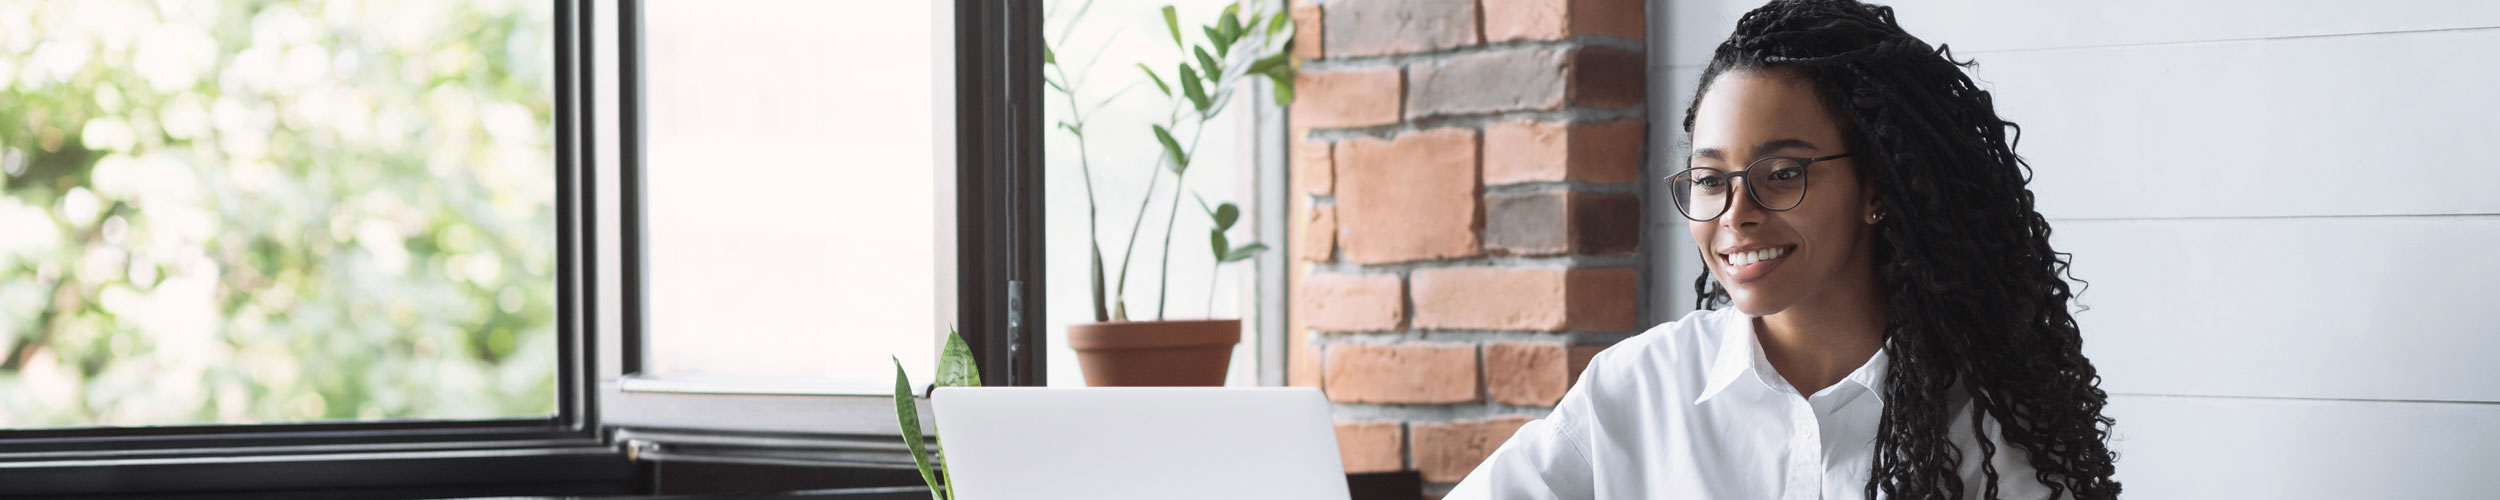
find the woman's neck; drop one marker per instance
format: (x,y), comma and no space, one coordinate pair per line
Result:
(1816,343)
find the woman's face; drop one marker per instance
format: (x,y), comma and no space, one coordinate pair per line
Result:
(1814,247)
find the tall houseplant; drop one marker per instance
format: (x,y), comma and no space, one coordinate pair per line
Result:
(1116,349)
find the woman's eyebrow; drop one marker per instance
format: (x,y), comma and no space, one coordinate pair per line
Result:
(1760,150)
(1767,147)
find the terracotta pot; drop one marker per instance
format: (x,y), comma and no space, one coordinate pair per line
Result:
(1155,353)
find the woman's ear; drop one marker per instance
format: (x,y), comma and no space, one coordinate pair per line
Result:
(1874,208)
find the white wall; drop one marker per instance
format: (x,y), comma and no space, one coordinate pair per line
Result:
(2284,209)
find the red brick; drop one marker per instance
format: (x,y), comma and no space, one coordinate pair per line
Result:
(1360,97)
(1380,27)
(1525,298)
(1525,79)
(1510,20)
(1372,446)
(1414,372)
(1353,302)
(1409,198)
(1580,356)
(1446,452)
(1314,172)
(1548,151)
(1561,221)
(1307,33)
(1488,82)
(1526,373)
(1608,78)
(1319,237)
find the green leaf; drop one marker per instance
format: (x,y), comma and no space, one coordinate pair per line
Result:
(1277,24)
(1072,129)
(1231,24)
(909,416)
(956,367)
(1190,87)
(1216,237)
(1270,63)
(1222,44)
(1158,79)
(1215,70)
(1245,252)
(1049,56)
(1180,160)
(1225,215)
(1172,22)
(1283,87)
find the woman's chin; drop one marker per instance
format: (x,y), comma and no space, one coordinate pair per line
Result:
(1754,304)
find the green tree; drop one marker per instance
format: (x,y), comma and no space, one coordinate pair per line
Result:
(267,211)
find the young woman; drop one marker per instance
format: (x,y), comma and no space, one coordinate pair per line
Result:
(1898,328)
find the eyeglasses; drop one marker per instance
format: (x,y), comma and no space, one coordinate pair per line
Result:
(1776,183)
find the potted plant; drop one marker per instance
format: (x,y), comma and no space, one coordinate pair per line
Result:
(1117,349)
(956,368)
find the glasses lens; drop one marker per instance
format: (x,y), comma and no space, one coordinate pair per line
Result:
(1699,193)
(1778,183)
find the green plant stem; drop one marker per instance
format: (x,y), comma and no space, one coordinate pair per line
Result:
(1084,161)
(1165,284)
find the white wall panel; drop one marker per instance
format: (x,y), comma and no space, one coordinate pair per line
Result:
(2350,307)
(1977,26)
(2294,449)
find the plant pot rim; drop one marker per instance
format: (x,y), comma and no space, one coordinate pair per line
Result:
(1153,334)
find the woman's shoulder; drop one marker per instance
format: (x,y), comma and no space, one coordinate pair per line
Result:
(1675,350)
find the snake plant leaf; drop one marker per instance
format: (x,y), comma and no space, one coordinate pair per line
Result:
(909,417)
(956,367)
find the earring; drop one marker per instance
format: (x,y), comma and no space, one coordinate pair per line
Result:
(1874,217)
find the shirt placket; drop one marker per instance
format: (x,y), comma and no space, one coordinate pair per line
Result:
(1805,452)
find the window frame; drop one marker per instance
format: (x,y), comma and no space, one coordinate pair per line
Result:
(605,437)
(562,452)
(998,275)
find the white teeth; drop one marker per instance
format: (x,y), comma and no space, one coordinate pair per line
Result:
(1741,259)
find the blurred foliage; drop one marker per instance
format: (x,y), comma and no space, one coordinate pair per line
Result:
(271,211)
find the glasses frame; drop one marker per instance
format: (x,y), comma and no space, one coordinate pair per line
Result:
(1746,173)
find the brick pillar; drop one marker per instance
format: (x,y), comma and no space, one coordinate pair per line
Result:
(1466,180)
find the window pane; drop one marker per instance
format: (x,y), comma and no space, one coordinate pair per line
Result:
(794,189)
(275,211)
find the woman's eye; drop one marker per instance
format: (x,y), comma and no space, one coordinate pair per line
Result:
(1709,182)
(1790,173)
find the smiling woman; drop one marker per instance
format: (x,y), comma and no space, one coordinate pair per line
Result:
(1899,325)
(266,212)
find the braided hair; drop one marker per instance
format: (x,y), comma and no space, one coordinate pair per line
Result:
(1977,306)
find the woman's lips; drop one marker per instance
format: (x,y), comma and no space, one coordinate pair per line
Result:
(1755,264)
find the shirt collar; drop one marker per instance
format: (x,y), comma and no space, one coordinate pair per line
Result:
(1737,352)
(1740,354)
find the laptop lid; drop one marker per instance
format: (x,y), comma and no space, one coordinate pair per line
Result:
(1159,443)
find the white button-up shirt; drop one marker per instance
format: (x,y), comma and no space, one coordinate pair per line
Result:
(1693,409)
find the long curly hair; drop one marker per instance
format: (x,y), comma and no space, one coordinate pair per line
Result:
(1978,309)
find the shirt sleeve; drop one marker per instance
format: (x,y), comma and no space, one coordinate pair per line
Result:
(1547,459)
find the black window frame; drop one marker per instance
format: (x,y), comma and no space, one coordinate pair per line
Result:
(560,453)
(585,448)
(999,270)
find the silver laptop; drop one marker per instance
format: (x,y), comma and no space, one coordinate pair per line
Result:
(1032,443)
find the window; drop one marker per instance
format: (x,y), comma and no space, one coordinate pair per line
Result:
(484,247)
(222,212)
